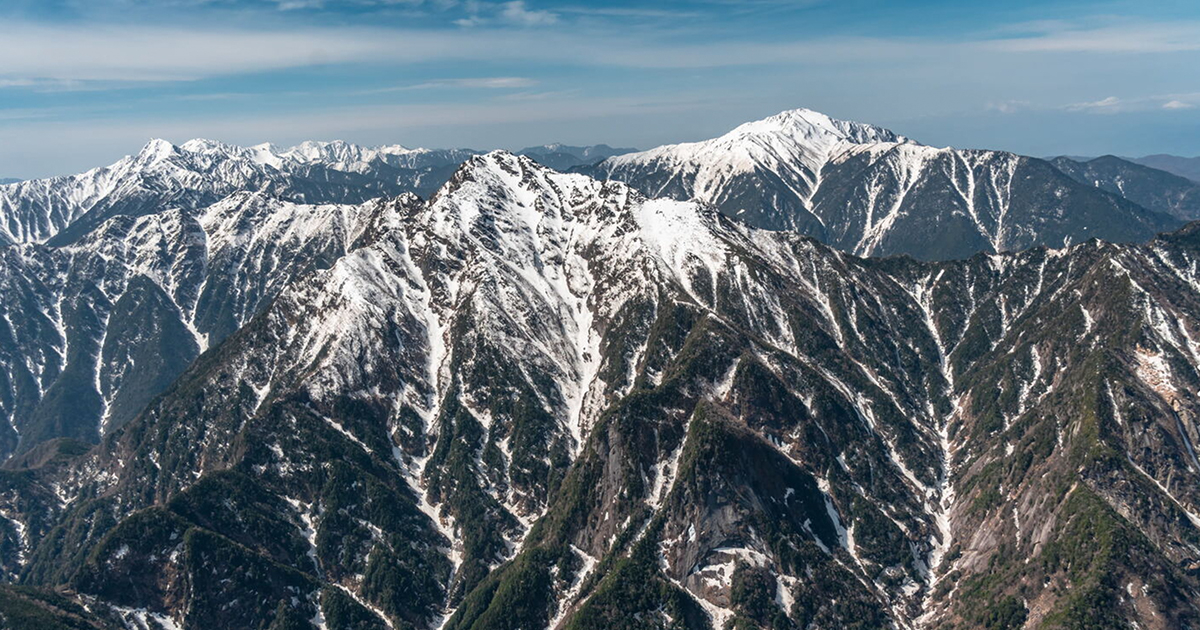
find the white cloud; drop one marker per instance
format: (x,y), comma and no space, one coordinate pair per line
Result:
(516,12)
(490,83)
(484,83)
(295,5)
(1008,107)
(1177,105)
(1108,104)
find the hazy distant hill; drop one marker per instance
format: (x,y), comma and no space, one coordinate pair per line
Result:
(1148,187)
(562,157)
(1181,166)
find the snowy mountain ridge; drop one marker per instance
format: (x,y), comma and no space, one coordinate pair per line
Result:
(798,140)
(872,192)
(201,171)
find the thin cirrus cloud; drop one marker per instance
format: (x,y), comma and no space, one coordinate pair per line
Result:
(134,53)
(478,83)
(1113,105)
(1107,104)
(153,53)
(487,83)
(1088,36)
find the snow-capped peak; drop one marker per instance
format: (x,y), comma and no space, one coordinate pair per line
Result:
(156,150)
(796,144)
(204,145)
(813,126)
(798,136)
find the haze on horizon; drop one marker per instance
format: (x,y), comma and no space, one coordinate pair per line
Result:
(83,83)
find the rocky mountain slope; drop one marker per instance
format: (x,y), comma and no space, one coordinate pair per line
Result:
(91,331)
(871,192)
(1148,187)
(544,401)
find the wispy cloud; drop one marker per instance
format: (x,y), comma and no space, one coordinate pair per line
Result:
(480,83)
(1107,104)
(1008,106)
(147,53)
(489,83)
(513,13)
(296,5)
(1110,36)
(44,85)
(516,12)
(88,52)
(628,12)
(1114,105)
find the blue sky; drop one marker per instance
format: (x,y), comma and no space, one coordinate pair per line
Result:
(83,82)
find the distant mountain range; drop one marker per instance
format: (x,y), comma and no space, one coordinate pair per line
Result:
(200,172)
(1188,167)
(8,180)
(562,157)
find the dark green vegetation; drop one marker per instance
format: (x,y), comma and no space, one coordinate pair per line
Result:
(23,608)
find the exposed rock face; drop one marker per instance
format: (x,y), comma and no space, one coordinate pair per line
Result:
(542,400)
(90,332)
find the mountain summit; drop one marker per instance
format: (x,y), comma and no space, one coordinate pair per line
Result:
(872,192)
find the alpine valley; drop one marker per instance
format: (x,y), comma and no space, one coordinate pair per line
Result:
(349,388)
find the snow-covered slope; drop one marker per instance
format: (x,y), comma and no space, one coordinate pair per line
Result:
(345,156)
(92,330)
(872,192)
(201,172)
(794,145)
(541,400)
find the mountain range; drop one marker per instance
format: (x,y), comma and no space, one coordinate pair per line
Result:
(245,392)
(561,157)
